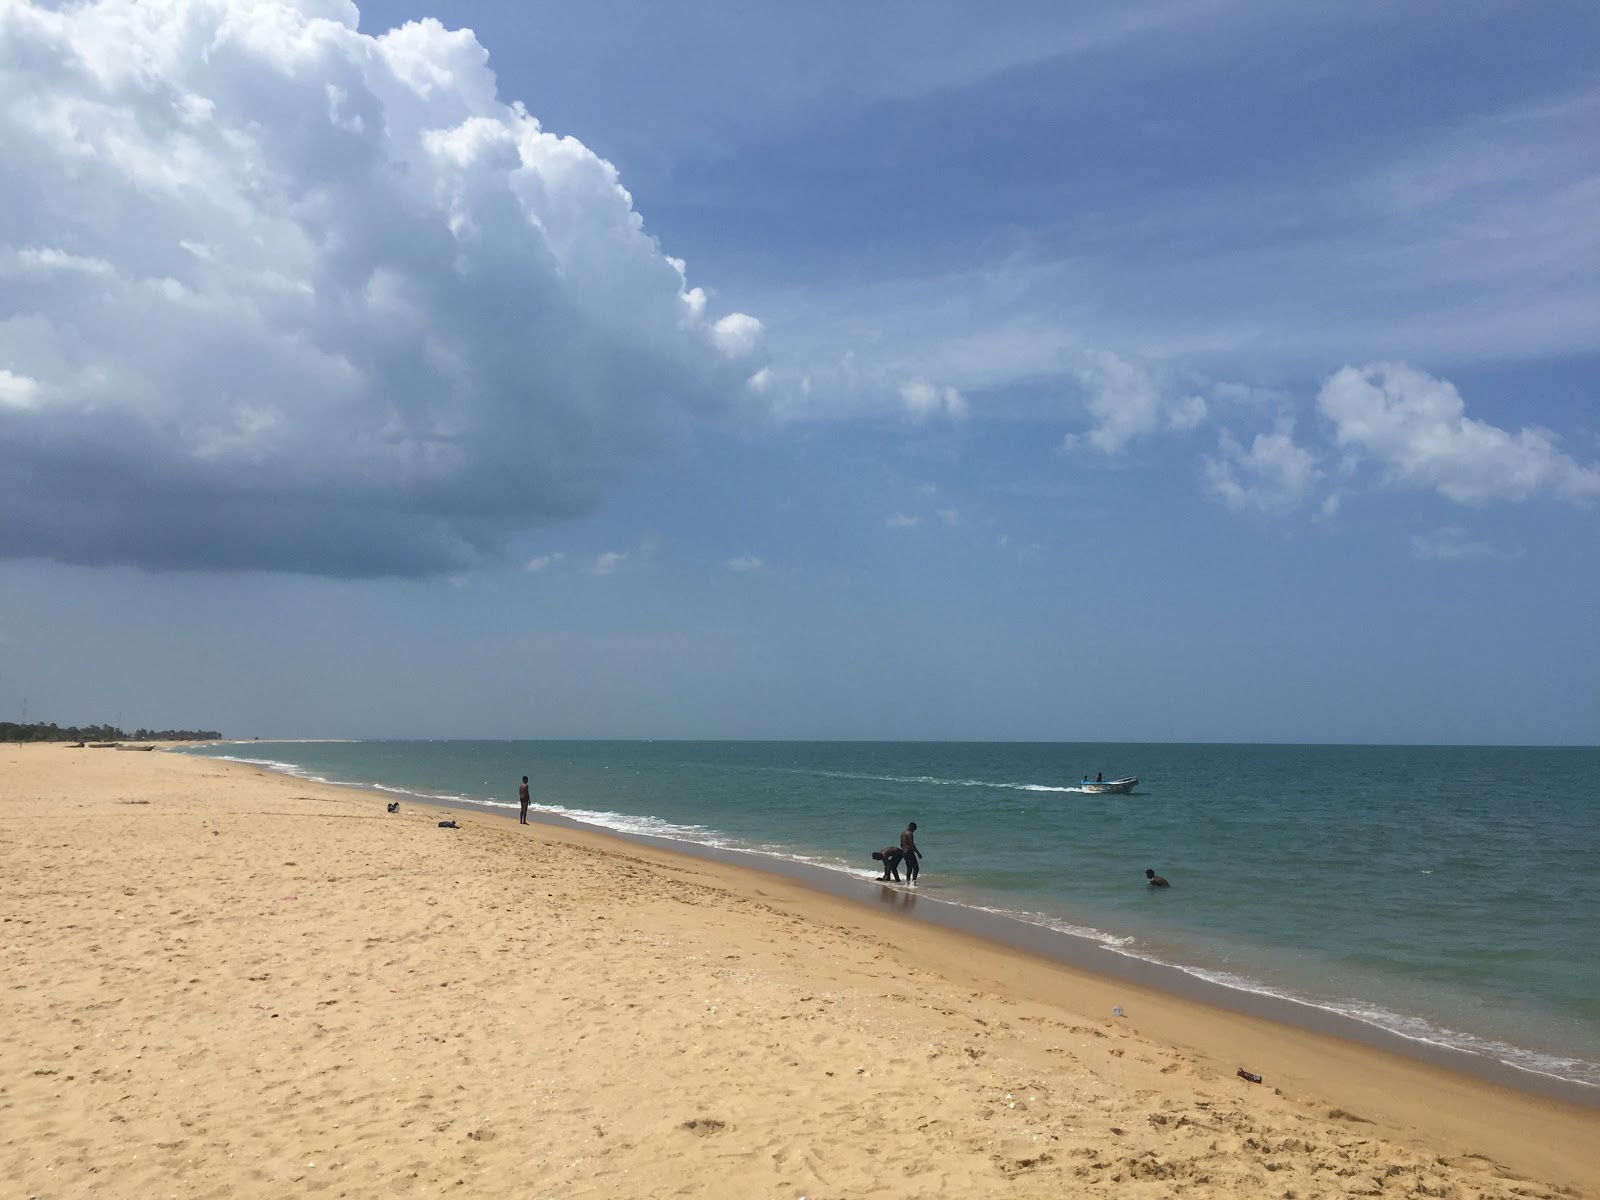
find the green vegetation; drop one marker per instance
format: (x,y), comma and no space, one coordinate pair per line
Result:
(12,732)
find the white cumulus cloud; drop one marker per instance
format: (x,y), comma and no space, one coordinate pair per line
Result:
(275,293)
(1415,428)
(17,391)
(1270,475)
(1125,401)
(925,401)
(738,334)
(745,562)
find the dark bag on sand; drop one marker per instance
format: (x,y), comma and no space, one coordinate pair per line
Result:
(448,825)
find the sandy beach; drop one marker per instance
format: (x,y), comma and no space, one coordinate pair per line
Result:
(221,982)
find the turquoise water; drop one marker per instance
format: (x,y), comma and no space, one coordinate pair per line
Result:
(1445,894)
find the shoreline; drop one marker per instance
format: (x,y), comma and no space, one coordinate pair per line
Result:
(1073,950)
(253,980)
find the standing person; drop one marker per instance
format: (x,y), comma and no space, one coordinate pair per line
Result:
(908,847)
(522,796)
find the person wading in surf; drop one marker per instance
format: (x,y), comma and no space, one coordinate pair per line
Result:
(913,856)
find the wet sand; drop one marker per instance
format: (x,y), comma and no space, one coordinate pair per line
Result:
(223,982)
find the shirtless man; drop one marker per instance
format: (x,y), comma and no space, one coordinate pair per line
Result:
(523,798)
(1155,880)
(890,857)
(908,847)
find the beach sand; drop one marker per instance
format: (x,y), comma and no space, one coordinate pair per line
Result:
(222,982)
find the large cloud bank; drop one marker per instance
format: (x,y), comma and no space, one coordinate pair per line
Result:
(278,294)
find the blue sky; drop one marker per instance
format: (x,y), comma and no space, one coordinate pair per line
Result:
(1183,371)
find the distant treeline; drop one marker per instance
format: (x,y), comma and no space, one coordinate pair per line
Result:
(10,731)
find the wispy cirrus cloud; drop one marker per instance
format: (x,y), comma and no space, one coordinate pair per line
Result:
(1451,542)
(608,563)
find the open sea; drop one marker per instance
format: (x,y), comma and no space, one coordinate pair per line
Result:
(1447,895)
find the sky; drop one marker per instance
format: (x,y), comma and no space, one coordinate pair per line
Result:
(1182,371)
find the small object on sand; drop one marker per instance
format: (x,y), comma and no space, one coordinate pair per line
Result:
(1116,1010)
(448,825)
(394,806)
(1243,1074)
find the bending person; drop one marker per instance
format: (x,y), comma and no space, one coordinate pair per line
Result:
(890,857)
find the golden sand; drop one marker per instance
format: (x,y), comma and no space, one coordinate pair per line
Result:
(219,982)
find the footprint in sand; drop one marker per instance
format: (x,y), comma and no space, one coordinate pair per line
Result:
(704,1125)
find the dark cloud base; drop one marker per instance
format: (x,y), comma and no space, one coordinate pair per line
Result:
(227,535)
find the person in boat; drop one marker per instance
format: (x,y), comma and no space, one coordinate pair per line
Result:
(1155,880)
(908,848)
(1099,777)
(890,857)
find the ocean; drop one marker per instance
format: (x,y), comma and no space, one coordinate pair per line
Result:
(1446,895)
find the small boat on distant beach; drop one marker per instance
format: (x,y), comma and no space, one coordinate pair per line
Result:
(1108,786)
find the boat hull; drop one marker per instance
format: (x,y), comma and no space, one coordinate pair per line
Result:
(1120,787)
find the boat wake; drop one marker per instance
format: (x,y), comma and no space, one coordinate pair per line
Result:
(932,781)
